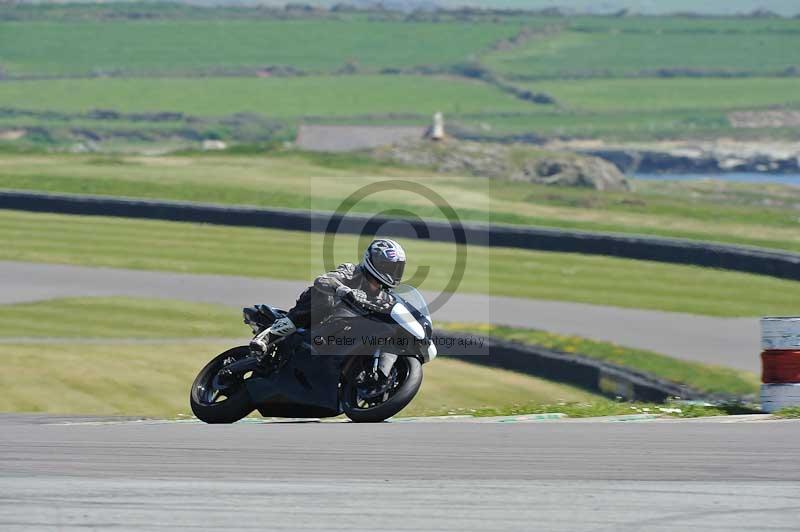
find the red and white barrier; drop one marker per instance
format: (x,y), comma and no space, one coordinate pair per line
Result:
(780,362)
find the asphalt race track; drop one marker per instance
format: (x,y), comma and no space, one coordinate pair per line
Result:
(552,475)
(727,342)
(560,475)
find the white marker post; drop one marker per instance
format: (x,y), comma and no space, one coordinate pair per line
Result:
(780,363)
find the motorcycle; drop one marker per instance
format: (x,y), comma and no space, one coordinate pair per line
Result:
(364,361)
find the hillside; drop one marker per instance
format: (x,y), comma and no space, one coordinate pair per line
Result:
(175,74)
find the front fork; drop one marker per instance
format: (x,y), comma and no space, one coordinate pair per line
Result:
(376,360)
(382,362)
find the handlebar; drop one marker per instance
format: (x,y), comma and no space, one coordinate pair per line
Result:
(369,305)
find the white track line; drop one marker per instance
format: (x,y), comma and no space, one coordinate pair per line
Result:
(552,417)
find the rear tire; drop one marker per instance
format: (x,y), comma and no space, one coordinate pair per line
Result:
(234,407)
(403,395)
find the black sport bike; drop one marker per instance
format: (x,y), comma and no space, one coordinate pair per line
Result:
(364,361)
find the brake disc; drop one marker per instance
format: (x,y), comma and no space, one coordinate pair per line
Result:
(372,390)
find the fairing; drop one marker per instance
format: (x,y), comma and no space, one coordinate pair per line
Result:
(407,321)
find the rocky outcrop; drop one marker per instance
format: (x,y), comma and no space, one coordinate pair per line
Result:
(503,161)
(591,172)
(702,158)
(655,162)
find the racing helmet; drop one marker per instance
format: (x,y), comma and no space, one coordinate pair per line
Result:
(385,260)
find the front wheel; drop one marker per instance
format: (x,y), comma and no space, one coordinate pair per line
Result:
(216,398)
(369,400)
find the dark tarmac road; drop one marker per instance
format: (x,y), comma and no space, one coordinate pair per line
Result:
(553,475)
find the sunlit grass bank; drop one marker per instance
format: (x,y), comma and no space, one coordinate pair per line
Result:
(197,248)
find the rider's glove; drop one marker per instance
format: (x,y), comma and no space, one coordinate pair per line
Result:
(383,306)
(358,297)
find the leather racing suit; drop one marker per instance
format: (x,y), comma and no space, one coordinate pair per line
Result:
(316,303)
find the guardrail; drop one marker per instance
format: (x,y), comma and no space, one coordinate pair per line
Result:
(782,264)
(581,371)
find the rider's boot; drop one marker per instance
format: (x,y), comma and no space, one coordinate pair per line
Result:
(282,327)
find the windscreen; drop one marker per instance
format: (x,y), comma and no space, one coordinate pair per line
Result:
(411,295)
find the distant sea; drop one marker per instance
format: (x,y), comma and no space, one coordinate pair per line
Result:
(737,177)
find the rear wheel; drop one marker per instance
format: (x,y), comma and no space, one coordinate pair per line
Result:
(367,399)
(217,398)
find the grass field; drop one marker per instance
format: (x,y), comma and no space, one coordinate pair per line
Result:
(119,317)
(153,380)
(757,215)
(239,109)
(151,350)
(122,356)
(610,49)
(704,377)
(155,58)
(611,108)
(190,46)
(619,126)
(195,248)
(673,95)
(189,43)
(274,98)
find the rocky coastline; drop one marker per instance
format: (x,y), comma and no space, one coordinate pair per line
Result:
(515,162)
(698,158)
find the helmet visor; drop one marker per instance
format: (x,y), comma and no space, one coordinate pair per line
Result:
(391,270)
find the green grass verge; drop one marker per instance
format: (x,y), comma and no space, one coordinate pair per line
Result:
(129,371)
(789,412)
(197,248)
(153,319)
(139,365)
(703,377)
(761,215)
(605,407)
(120,317)
(456,387)
(153,379)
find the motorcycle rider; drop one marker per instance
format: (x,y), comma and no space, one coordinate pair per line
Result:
(362,284)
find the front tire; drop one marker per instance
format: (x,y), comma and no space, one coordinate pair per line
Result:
(361,410)
(212,403)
